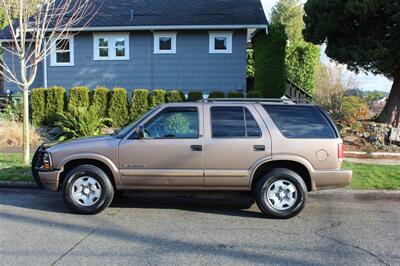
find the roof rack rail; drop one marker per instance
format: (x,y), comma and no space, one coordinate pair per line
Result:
(274,100)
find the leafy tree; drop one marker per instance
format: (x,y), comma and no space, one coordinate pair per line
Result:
(269,61)
(289,13)
(139,103)
(302,60)
(364,35)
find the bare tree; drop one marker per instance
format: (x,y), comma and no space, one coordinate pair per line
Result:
(331,84)
(34,27)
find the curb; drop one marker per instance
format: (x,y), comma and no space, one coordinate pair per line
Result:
(18,184)
(345,193)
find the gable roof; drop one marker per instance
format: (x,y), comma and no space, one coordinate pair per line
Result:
(172,14)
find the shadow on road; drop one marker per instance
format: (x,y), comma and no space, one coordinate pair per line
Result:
(227,203)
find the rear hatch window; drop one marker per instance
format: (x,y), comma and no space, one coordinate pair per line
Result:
(301,122)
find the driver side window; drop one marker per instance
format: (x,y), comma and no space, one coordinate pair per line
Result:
(174,123)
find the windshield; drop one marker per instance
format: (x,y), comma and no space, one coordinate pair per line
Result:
(126,130)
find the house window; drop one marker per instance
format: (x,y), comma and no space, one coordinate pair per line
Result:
(111,46)
(165,43)
(220,42)
(62,51)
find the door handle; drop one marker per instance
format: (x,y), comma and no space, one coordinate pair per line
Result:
(196,148)
(259,148)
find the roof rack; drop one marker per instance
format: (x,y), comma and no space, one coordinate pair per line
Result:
(273,100)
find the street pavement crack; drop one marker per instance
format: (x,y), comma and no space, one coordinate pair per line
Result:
(73,247)
(343,243)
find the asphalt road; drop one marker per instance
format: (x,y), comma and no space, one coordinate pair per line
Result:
(200,229)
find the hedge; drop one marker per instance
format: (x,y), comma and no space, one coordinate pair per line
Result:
(269,61)
(216,94)
(38,106)
(139,103)
(119,111)
(235,94)
(174,97)
(100,101)
(78,97)
(254,94)
(156,98)
(195,96)
(55,102)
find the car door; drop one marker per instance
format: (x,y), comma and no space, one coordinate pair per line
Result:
(171,152)
(235,139)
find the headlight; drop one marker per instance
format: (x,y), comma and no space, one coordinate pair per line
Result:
(46,161)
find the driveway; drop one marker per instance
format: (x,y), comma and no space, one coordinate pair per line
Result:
(200,229)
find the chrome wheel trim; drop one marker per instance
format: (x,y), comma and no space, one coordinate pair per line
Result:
(281,195)
(86,191)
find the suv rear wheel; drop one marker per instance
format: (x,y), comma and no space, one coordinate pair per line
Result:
(281,193)
(87,189)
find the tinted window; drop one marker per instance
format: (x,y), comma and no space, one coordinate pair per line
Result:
(233,122)
(300,122)
(174,123)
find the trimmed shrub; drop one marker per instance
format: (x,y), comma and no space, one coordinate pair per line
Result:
(269,61)
(174,97)
(139,103)
(254,94)
(195,96)
(119,111)
(216,95)
(156,98)
(302,59)
(55,102)
(100,101)
(235,94)
(78,97)
(38,106)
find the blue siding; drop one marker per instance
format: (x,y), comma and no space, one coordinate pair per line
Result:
(13,63)
(191,68)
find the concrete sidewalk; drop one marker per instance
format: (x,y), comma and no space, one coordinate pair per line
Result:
(373,161)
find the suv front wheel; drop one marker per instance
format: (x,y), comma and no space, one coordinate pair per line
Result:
(87,189)
(281,193)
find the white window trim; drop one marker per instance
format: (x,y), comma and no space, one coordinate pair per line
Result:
(158,35)
(53,54)
(111,46)
(213,35)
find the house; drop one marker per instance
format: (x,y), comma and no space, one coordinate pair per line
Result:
(180,44)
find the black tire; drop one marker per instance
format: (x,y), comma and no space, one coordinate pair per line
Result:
(106,187)
(287,177)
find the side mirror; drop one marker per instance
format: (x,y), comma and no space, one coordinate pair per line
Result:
(140,132)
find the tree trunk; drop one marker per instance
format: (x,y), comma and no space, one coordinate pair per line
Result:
(393,103)
(26,127)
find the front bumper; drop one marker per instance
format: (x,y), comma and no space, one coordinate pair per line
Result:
(49,179)
(330,179)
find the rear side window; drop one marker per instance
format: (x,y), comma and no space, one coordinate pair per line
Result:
(233,122)
(300,122)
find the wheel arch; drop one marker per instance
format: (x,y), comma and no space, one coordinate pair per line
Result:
(100,161)
(295,165)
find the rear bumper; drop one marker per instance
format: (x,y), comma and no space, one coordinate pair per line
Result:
(331,179)
(50,179)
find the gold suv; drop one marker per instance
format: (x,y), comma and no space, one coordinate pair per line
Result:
(279,150)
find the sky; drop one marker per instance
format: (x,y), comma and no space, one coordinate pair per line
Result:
(366,81)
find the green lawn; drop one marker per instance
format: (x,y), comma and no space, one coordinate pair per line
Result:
(365,176)
(12,168)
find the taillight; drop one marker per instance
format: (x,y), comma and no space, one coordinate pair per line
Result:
(340,151)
